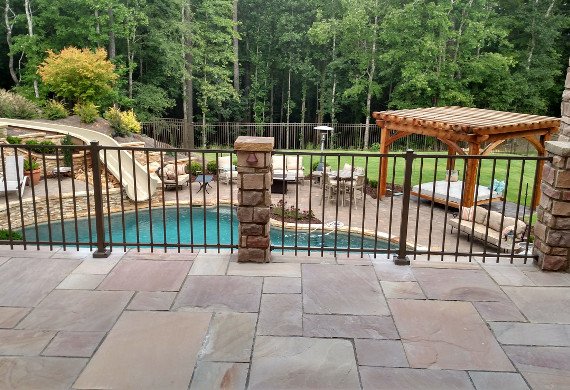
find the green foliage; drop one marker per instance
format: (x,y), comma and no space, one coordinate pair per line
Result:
(13,140)
(6,234)
(55,110)
(375,147)
(88,112)
(373,183)
(78,75)
(194,168)
(43,147)
(15,106)
(122,122)
(150,101)
(30,165)
(212,167)
(67,152)
(315,165)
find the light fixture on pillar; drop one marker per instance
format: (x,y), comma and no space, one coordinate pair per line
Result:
(251,159)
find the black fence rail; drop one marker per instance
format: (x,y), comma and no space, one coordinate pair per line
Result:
(92,196)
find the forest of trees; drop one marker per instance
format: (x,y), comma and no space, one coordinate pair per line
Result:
(301,60)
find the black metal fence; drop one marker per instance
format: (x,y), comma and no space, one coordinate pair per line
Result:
(115,198)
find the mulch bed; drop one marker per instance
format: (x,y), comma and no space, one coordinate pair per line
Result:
(373,191)
(293,220)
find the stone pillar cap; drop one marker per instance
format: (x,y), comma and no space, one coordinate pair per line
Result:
(558,148)
(254,144)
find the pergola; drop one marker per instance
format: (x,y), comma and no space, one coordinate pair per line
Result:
(483,130)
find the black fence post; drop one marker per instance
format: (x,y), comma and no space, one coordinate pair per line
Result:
(101,251)
(401,258)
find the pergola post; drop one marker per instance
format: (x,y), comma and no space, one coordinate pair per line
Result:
(468,198)
(450,161)
(384,149)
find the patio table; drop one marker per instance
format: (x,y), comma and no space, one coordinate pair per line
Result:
(342,177)
(204,181)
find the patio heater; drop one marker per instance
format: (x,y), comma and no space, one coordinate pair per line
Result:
(323,131)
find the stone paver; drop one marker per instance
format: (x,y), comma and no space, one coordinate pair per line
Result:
(272,269)
(542,367)
(210,375)
(77,310)
(23,342)
(403,290)
(516,333)
(209,265)
(229,293)
(369,327)
(81,282)
(499,311)
(497,380)
(342,289)
(388,271)
(507,275)
(146,275)
(25,282)
(542,304)
(281,315)
(149,300)
(548,278)
(379,378)
(97,266)
(10,316)
(3,260)
(230,337)
(74,344)
(159,347)
(303,363)
(281,285)
(380,353)
(27,373)
(158,255)
(447,335)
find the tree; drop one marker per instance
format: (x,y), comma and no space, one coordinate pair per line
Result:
(78,75)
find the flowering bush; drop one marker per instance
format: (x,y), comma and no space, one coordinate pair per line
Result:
(281,210)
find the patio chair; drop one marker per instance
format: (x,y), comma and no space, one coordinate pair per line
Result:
(295,168)
(357,188)
(226,170)
(332,187)
(13,179)
(173,177)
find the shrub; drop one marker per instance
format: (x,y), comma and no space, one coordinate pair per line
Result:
(78,75)
(122,122)
(30,165)
(14,140)
(44,147)
(88,112)
(373,183)
(17,107)
(194,168)
(55,110)
(212,167)
(315,165)
(6,234)
(374,147)
(67,152)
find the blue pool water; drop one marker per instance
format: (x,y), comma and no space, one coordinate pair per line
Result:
(190,222)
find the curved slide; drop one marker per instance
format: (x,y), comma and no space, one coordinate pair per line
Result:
(140,193)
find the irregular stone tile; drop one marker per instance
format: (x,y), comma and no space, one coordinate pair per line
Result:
(402,290)
(303,363)
(279,285)
(354,259)
(388,271)
(288,270)
(507,275)
(3,260)
(160,347)
(542,367)
(545,278)
(382,353)
(149,300)
(498,380)
(44,252)
(366,327)
(342,289)
(209,266)
(458,284)
(81,282)
(228,293)
(96,266)
(23,342)
(315,258)
(39,372)
(230,337)
(73,253)
(499,311)
(10,316)
(230,376)
(74,344)
(25,282)
(379,378)
(171,255)
(77,310)
(448,263)
(280,315)
(532,334)
(542,304)
(146,275)
(447,335)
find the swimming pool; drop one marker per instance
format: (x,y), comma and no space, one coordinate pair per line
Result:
(195,228)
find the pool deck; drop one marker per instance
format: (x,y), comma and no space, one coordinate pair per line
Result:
(202,321)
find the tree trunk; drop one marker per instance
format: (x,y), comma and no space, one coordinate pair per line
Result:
(187,84)
(112,50)
(288,104)
(371,72)
(130,58)
(28,9)
(303,111)
(9,25)
(236,47)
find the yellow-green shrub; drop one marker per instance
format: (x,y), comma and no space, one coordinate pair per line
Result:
(55,110)
(122,122)
(88,112)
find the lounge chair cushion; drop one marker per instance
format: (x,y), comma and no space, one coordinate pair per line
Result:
(292,163)
(480,215)
(277,162)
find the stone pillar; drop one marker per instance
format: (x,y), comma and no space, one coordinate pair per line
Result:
(254,197)
(552,229)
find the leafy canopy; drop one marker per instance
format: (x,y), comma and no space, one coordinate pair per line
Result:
(78,75)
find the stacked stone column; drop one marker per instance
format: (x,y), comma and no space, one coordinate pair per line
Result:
(254,197)
(552,229)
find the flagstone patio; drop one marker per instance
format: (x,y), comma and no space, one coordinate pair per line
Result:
(202,321)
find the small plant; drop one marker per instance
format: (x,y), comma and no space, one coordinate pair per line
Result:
(6,234)
(55,110)
(30,165)
(12,140)
(212,167)
(315,165)
(292,213)
(67,152)
(375,147)
(194,168)
(88,112)
(373,183)
(122,122)
(17,107)
(43,147)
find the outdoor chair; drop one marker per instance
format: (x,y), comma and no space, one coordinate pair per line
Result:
(357,189)
(173,177)
(13,179)
(226,170)
(331,188)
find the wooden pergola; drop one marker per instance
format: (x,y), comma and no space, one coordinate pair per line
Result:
(482,130)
